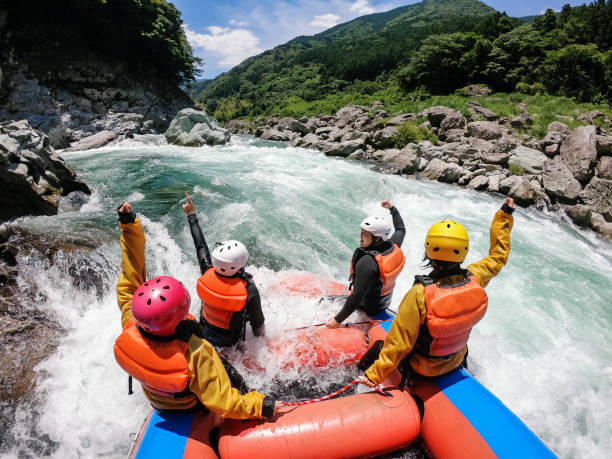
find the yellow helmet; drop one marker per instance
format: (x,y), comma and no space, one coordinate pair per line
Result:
(447,241)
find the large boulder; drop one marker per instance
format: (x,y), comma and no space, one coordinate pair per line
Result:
(604,168)
(485,130)
(435,115)
(521,189)
(559,182)
(604,145)
(598,196)
(531,160)
(579,152)
(454,120)
(274,134)
(480,182)
(401,119)
(351,112)
(290,124)
(193,128)
(441,171)
(478,110)
(603,227)
(406,159)
(33,176)
(93,141)
(384,138)
(344,149)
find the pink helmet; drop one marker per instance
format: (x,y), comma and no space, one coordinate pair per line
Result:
(160,304)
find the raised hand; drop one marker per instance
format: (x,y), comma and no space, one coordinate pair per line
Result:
(188,207)
(386,204)
(510,202)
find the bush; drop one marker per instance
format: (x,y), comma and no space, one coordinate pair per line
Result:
(410,132)
(532,89)
(515,169)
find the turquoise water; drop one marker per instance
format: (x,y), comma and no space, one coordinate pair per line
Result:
(543,347)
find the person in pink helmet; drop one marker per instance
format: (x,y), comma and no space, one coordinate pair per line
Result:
(162,345)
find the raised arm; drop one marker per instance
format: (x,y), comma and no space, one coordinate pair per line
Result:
(132,260)
(398,224)
(199,241)
(487,268)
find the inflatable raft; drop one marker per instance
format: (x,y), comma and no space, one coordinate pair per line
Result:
(462,419)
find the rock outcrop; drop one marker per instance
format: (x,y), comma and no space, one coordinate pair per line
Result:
(33,176)
(193,128)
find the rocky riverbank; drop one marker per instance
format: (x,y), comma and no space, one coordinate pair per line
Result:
(568,170)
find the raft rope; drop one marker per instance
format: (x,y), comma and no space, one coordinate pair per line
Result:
(332,395)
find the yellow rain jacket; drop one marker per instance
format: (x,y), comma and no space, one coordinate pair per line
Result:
(208,379)
(412,312)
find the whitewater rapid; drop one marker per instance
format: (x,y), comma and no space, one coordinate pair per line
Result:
(543,347)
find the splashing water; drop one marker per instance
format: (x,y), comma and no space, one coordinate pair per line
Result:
(543,347)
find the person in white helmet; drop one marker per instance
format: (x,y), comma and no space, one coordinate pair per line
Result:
(229,296)
(375,266)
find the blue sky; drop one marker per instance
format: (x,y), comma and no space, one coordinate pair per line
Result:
(225,32)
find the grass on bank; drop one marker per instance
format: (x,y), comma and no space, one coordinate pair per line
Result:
(542,108)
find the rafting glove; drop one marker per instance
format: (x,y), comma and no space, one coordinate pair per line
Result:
(267,410)
(506,208)
(126,217)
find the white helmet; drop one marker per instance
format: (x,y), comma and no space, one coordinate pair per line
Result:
(378,226)
(229,257)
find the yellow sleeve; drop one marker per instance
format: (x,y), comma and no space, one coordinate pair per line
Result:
(402,335)
(487,268)
(132,266)
(212,386)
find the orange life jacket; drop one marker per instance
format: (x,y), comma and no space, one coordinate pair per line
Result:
(452,311)
(160,365)
(390,264)
(221,297)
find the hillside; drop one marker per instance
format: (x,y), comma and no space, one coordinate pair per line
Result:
(432,47)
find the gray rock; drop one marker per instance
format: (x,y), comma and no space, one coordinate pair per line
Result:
(496,158)
(441,171)
(579,213)
(406,159)
(336,134)
(290,124)
(95,141)
(422,164)
(559,128)
(579,152)
(194,128)
(522,120)
(604,168)
(505,185)
(474,90)
(478,110)
(401,119)
(486,130)
(604,145)
(479,182)
(435,115)
(559,181)
(352,135)
(357,155)
(344,149)
(377,104)
(384,138)
(590,117)
(551,150)
(494,181)
(351,112)
(454,120)
(522,191)
(323,130)
(598,196)
(531,160)
(455,135)
(367,124)
(603,227)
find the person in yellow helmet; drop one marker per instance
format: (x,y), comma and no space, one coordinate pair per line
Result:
(436,316)
(162,345)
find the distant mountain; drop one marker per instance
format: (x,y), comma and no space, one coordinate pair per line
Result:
(528,19)
(362,49)
(193,89)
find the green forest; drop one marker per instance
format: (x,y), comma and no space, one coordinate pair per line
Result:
(431,48)
(144,35)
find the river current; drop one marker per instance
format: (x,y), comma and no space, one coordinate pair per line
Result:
(543,347)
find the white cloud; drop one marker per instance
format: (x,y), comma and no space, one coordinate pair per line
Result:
(325,21)
(231,45)
(237,23)
(362,7)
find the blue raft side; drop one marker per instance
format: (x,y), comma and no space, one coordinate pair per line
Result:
(506,435)
(166,436)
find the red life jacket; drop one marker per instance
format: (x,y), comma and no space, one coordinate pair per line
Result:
(221,297)
(390,264)
(160,365)
(452,311)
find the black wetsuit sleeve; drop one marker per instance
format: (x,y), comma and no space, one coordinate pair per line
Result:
(202,251)
(366,272)
(253,305)
(398,225)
